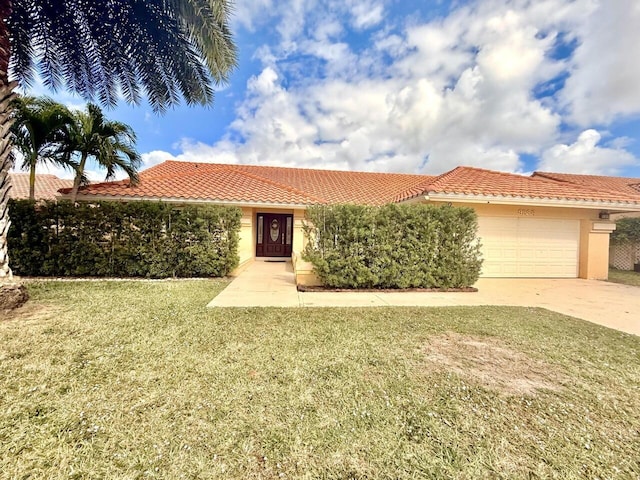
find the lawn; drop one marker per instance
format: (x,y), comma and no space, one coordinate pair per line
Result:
(140,380)
(628,277)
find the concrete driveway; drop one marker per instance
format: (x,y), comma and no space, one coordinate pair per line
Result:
(272,284)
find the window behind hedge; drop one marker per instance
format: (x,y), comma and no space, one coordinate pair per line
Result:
(136,239)
(394,246)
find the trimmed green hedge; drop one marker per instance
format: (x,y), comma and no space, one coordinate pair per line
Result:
(136,239)
(394,246)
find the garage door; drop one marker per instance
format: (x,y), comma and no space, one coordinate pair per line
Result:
(529,247)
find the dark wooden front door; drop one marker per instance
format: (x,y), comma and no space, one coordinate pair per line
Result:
(275,235)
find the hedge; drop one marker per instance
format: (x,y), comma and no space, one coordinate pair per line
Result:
(136,239)
(394,246)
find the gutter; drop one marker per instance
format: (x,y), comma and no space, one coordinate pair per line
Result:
(528,201)
(86,198)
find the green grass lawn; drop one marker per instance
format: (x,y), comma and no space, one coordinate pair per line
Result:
(628,277)
(139,380)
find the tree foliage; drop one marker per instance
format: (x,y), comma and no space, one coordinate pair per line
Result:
(394,246)
(161,49)
(111,144)
(38,125)
(627,231)
(136,239)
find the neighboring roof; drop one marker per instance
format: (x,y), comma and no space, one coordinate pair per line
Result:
(251,184)
(46,187)
(258,184)
(478,181)
(627,185)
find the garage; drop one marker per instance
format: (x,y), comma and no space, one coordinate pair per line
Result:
(529,247)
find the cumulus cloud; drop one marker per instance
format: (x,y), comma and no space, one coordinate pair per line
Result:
(604,72)
(586,157)
(427,96)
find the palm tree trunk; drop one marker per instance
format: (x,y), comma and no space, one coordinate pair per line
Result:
(6,158)
(79,172)
(32,180)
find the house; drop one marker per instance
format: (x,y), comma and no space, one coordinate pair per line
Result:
(46,186)
(623,257)
(528,226)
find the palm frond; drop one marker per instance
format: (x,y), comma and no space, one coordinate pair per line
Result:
(165,49)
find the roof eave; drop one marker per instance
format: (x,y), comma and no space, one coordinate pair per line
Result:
(237,203)
(528,201)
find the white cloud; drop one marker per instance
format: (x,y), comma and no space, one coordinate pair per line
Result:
(365,14)
(586,157)
(457,90)
(605,73)
(155,157)
(250,13)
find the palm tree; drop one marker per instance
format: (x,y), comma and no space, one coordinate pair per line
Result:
(109,143)
(164,49)
(38,124)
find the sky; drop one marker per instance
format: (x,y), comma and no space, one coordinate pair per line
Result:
(414,87)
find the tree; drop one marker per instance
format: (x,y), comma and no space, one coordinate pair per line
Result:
(162,49)
(109,143)
(38,125)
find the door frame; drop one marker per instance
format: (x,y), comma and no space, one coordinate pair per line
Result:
(263,219)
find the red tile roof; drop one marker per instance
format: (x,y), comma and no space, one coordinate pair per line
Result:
(173,180)
(625,185)
(47,186)
(258,184)
(478,181)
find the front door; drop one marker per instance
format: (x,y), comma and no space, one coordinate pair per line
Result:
(275,232)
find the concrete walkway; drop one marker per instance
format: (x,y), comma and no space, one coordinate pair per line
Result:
(266,284)
(262,284)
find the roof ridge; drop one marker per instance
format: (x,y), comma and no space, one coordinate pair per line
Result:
(549,176)
(288,188)
(444,176)
(275,167)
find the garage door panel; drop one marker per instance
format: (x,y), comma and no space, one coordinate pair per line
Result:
(529,247)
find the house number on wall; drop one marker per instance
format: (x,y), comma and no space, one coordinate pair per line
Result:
(526,212)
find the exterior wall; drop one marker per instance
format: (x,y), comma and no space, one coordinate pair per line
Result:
(594,233)
(248,237)
(303,270)
(246,244)
(593,251)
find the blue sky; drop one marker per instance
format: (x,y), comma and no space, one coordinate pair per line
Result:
(417,87)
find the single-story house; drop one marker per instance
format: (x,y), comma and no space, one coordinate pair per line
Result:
(529,226)
(46,186)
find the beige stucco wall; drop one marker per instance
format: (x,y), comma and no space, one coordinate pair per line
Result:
(247,242)
(593,250)
(594,233)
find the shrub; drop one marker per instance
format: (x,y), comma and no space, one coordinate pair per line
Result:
(394,246)
(627,231)
(136,239)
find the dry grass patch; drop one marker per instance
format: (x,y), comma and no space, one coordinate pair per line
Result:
(32,311)
(489,363)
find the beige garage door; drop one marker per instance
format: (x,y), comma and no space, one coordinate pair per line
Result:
(529,247)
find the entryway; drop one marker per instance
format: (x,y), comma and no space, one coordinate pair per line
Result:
(274,235)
